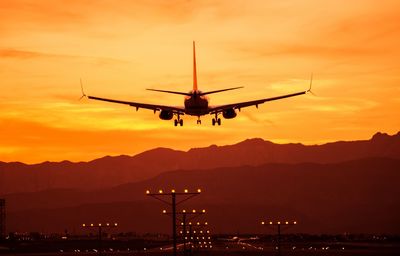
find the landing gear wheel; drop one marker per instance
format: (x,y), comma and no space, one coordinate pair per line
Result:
(213,122)
(219,121)
(181,122)
(198,121)
(176,122)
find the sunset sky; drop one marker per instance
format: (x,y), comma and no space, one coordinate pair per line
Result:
(119,50)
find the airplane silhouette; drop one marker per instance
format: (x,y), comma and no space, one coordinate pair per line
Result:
(196,102)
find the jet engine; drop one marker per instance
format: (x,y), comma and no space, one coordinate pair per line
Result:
(229,113)
(166,115)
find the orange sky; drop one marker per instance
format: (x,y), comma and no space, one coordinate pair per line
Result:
(270,47)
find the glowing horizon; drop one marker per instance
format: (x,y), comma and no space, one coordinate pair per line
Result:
(119,50)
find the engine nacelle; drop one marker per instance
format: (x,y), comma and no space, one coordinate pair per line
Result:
(166,115)
(229,113)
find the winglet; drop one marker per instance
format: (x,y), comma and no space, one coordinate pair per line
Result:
(309,89)
(83,92)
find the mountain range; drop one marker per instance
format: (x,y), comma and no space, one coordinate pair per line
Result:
(332,188)
(112,171)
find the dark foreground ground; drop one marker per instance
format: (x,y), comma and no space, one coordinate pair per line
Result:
(220,246)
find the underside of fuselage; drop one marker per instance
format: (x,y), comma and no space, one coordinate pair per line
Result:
(196,105)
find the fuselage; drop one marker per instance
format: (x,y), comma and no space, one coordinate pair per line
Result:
(196,105)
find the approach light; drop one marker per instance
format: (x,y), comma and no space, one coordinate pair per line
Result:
(204,211)
(287,222)
(205,223)
(160,191)
(270,223)
(279,223)
(83,225)
(184,211)
(115,224)
(186,191)
(108,224)
(198,190)
(147,191)
(262,223)
(91,224)
(99,224)
(294,222)
(164,211)
(194,211)
(173,191)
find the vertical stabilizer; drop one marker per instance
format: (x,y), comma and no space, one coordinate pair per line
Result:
(194,68)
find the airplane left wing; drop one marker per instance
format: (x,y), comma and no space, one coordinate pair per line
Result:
(137,105)
(240,105)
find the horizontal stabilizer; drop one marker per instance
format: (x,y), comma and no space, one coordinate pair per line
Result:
(228,89)
(180,93)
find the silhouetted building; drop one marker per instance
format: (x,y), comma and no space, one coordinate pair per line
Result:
(2,218)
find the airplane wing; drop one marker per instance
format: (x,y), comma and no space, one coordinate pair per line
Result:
(138,105)
(240,105)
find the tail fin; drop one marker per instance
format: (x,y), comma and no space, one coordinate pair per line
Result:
(194,68)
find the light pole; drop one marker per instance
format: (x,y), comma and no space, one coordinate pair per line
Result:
(192,215)
(100,227)
(185,195)
(278,224)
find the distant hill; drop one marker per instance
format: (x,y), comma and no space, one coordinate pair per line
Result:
(357,196)
(111,171)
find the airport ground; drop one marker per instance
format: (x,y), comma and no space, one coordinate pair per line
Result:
(163,247)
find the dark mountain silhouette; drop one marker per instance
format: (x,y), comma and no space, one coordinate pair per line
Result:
(358,196)
(111,171)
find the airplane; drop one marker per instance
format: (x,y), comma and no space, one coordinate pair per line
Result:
(196,102)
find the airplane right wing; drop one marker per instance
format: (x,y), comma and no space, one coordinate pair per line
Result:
(240,105)
(137,105)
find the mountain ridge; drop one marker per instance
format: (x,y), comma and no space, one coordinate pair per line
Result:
(110,171)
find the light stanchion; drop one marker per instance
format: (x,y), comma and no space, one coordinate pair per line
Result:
(278,224)
(100,227)
(174,201)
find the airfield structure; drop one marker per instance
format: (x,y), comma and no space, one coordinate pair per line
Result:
(2,218)
(185,217)
(100,227)
(278,224)
(176,198)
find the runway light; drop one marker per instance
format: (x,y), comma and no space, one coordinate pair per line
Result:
(99,224)
(160,191)
(198,223)
(279,223)
(287,222)
(83,225)
(204,211)
(198,190)
(108,224)
(182,223)
(183,211)
(262,223)
(186,191)
(147,191)
(190,223)
(115,224)
(294,222)
(194,211)
(173,191)
(91,225)
(270,223)
(164,211)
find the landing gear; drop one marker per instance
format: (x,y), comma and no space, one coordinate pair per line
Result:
(216,120)
(178,121)
(198,120)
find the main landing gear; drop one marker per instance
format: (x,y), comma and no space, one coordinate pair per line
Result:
(198,120)
(216,120)
(178,121)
